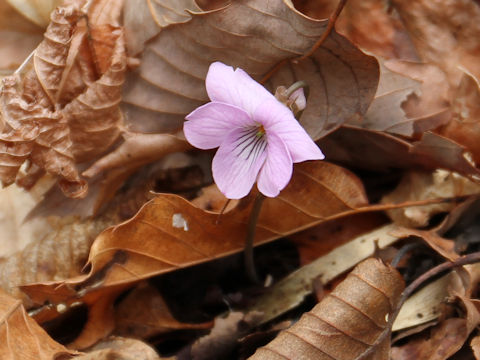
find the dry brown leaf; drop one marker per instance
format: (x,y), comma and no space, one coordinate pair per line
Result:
(117,348)
(346,322)
(151,17)
(144,313)
(254,35)
(169,233)
(411,98)
(444,33)
(64,109)
(21,337)
(464,127)
(376,150)
(416,185)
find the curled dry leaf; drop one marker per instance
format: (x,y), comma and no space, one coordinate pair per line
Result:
(63,109)
(346,322)
(169,233)
(416,185)
(254,35)
(21,337)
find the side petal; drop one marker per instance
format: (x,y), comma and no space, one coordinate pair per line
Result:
(209,124)
(277,169)
(237,162)
(235,87)
(279,120)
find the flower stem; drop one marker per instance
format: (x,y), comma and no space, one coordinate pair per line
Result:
(251,227)
(295,87)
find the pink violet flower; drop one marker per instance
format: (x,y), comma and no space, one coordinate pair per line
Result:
(258,137)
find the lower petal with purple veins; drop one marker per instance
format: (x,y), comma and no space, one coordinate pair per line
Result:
(277,169)
(238,161)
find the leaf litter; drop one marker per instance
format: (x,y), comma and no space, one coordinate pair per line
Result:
(96,219)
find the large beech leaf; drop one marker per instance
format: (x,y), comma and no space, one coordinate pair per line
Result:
(346,322)
(21,337)
(170,233)
(254,35)
(63,109)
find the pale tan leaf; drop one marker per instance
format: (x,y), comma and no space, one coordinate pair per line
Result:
(292,290)
(346,322)
(18,38)
(37,12)
(117,348)
(255,36)
(21,337)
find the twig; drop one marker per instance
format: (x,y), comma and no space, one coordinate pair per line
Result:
(252,225)
(331,23)
(464,260)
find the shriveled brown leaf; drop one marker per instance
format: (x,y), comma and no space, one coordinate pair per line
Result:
(64,109)
(21,337)
(346,322)
(144,313)
(254,35)
(117,348)
(475,345)
(417,185)
(376,150)
(169,233)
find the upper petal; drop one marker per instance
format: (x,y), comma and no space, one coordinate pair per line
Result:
(277,169)
(235,87)
(237,162)
(209,124)
(279,120)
